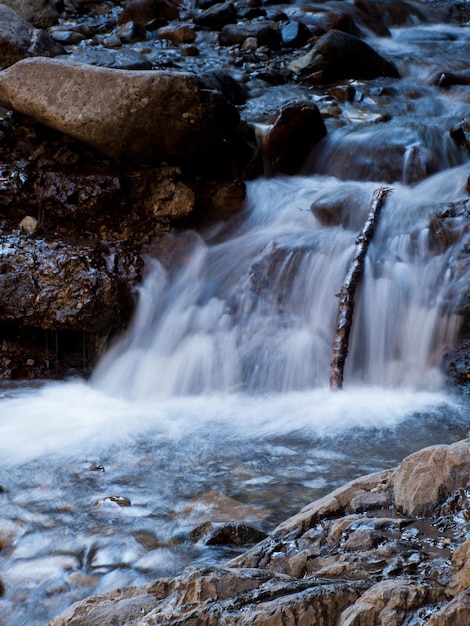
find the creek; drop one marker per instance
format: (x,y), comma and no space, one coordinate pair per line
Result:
(215,403)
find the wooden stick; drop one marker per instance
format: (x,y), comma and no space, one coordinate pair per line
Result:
(348,290)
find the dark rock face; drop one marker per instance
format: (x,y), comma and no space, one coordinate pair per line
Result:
(363,554)
(73,294)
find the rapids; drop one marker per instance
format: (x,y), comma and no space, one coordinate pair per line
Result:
(215,403)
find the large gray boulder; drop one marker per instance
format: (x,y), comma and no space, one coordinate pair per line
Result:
(132,114)
(41,13)
(19,39)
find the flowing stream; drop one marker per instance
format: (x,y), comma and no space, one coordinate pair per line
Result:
(215,405)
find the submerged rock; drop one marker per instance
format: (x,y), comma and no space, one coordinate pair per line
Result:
(124,114)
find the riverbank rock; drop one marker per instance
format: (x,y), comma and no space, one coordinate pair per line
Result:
(354,557)
(19,39)
(124,114)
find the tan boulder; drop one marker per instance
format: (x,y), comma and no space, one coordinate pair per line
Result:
(138,115)
(388,602)
(426,478)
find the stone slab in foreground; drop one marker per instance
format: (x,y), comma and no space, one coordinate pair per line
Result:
(389,548)
(122,113)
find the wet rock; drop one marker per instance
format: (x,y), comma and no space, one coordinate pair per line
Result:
(60,287)
(19,39)
(144,11)
(177,34)
(217,16)
(447,79)
(232,89)
(132,115)
(225,533)
(339,55)
(320,22)
(120,501)
(292,135)
(67,37)
(457,363)
(426,478)
(460,133)
(294,34)
(266,34)
(131,32)
(40,13)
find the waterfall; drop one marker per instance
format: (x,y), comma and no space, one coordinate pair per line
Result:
(254,308)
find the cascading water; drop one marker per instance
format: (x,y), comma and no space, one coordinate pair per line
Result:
(215,404)
(257,311)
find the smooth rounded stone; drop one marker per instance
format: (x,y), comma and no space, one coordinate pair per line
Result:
(40,13)
(293,133)
(124,114)
(294,34)
(338,55)
(19,39)
(225,533)
(217,16)
(426,478)
(266,33)
(143,11)
(67,37)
